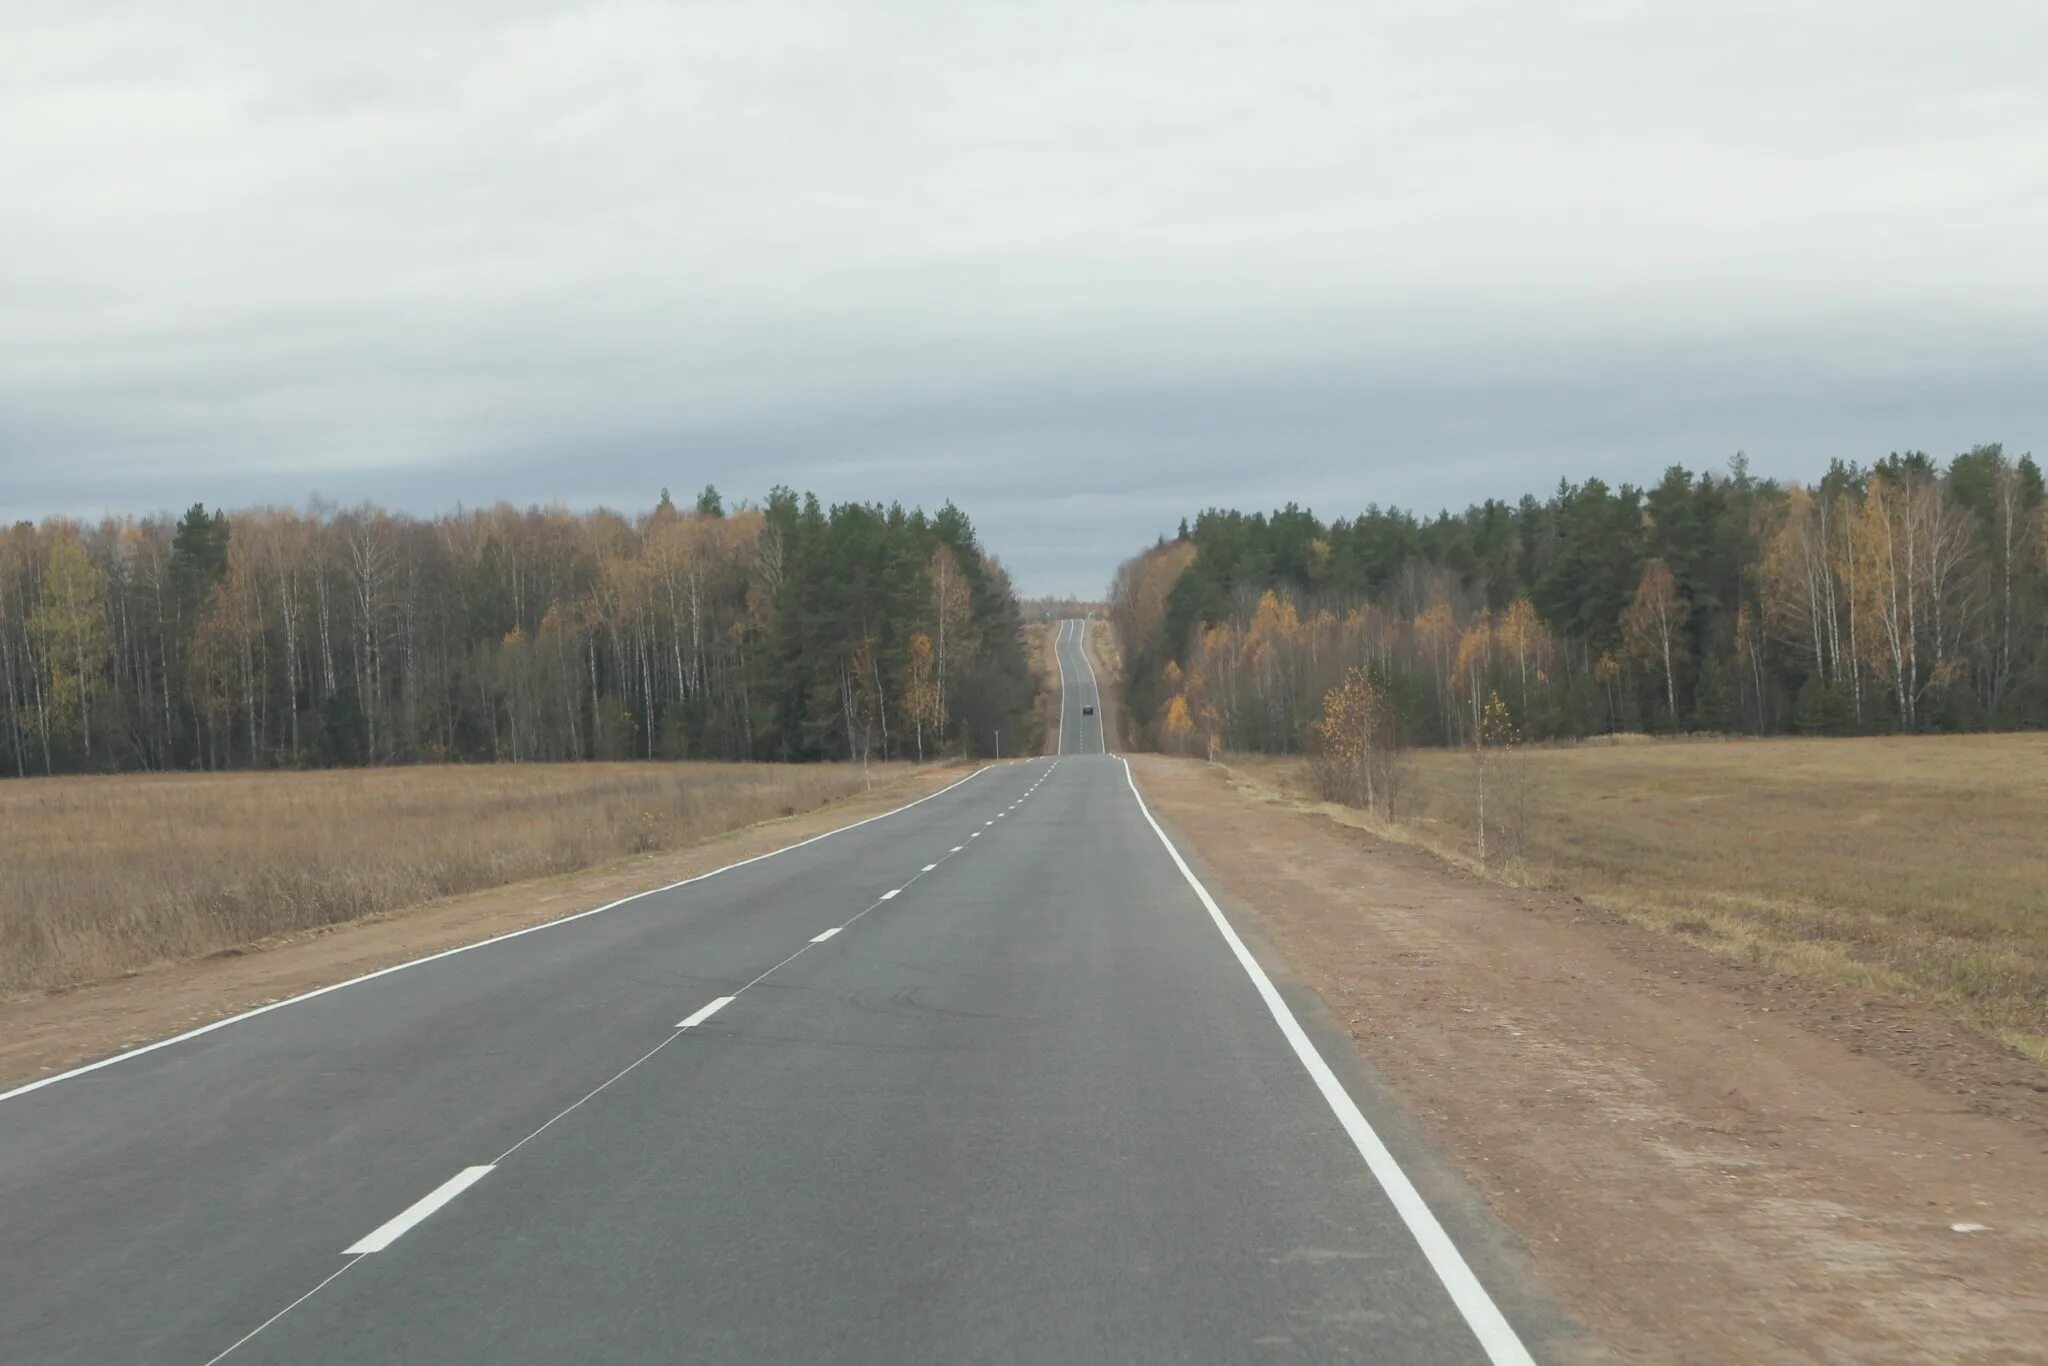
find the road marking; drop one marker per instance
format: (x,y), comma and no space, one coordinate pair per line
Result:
(1482,1315)
(821,938)
(239,1342)
(975,836)
(956,848)
(928,867)
(68,1074)
(387,1234)
(234,1346)
(706,1011)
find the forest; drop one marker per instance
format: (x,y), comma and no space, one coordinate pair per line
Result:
(276,638)
(1910,595)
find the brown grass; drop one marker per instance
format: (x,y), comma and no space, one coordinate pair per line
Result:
(103,876)
(1915,867)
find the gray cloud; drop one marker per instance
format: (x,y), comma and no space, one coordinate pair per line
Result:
(1080,267)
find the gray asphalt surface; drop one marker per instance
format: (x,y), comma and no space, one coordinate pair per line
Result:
(1027,1109)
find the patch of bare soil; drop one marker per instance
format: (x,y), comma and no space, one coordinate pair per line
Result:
(1706,1165)
(47,1032)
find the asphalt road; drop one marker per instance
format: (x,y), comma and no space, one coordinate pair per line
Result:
(993,1084)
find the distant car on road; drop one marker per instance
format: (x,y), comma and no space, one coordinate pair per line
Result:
(1088,709)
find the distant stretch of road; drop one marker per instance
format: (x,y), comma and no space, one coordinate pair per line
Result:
(989,1078)
(1081,729)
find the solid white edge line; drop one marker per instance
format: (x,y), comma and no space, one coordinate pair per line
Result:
(706,1011)
(821,938)
(388,1233)
(1482,1315)
(40,1082)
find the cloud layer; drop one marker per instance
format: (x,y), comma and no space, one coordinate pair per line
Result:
(1081,267)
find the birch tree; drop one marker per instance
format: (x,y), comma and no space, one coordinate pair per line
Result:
(1650,628)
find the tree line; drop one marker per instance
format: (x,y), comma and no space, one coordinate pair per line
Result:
(274,637)
(1910,595)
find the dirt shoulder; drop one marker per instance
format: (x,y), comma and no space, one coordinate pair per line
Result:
(1697,1173)
(45,1033)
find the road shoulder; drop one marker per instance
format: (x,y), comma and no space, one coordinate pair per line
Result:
(1690,1176)
(1496,1256)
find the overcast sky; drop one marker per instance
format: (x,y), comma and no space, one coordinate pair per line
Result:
(1082,268)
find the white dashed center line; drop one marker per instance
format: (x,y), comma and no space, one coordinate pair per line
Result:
(387,1234)
(705,1012)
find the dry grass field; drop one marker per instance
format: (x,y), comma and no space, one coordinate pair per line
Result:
(1916,866)
(102,876)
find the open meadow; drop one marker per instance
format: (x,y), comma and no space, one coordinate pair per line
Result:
(100,876)
(1908,865)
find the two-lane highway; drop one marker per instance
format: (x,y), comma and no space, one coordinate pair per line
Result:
(1081,726)
(989,1078)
